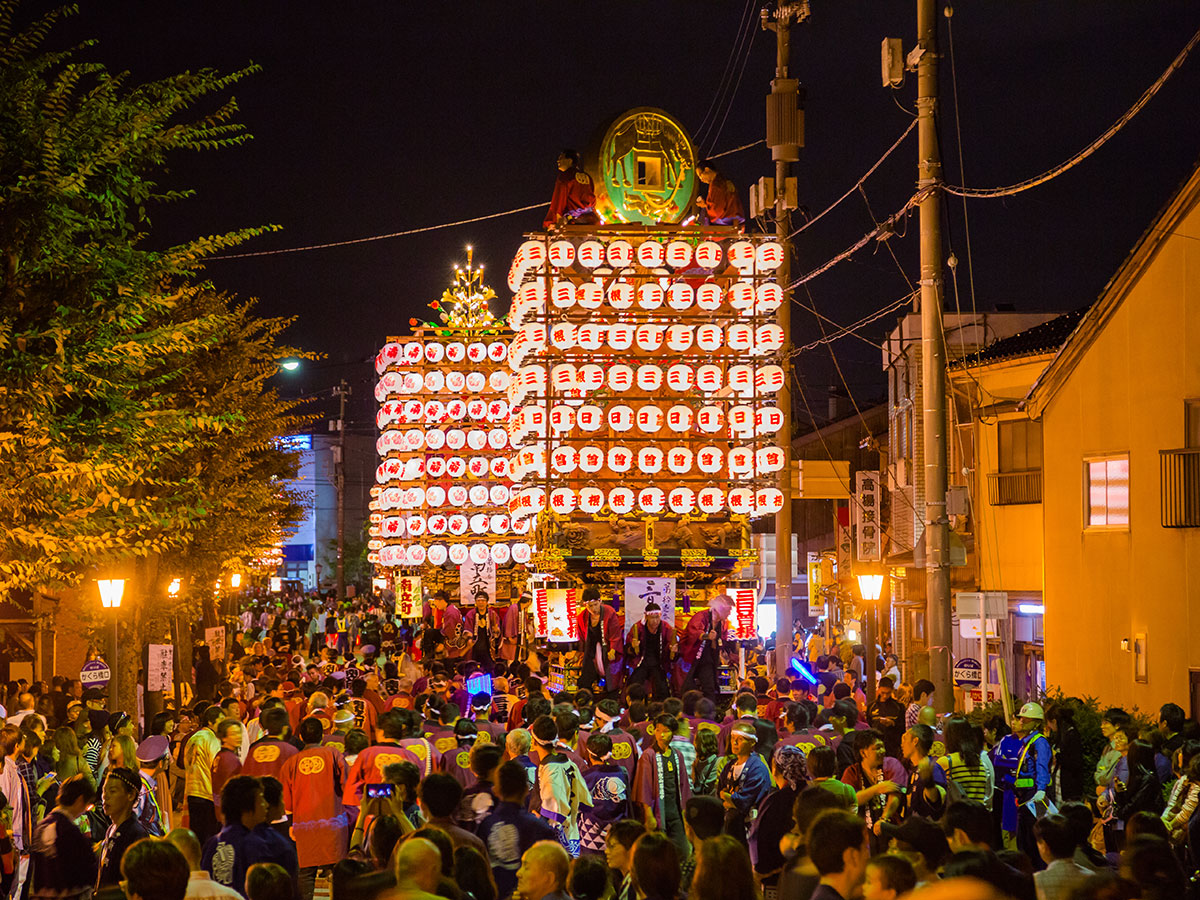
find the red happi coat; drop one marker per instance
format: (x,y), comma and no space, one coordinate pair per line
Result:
(457,644)
(312,793)
(471,627)
(612,637)
(666,645)
(692,641)
(574,190)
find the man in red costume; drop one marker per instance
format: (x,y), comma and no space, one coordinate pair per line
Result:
(701,646)
(518,629)
(601,642)
(448,618)
(574,198)
(482,628)
(722,205)
(313,780)
(651,643)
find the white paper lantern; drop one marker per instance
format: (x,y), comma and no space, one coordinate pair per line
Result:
(459,554)
(650,460)
(563,294)
(679,254)
(742,256)
(457,495)
(620,459)
(741,421)
(741,460)
(620,336)
(741,501)
(563,377)
(415,525)
(591,500)
(768,338)
(681,500)
(438,524)
(650,419)
(480,554)
(768,501)
(562,335)
(437,554)
(709,337)
(708,297)
(478,494)
(532,421)
(521,552)
(591,377)
(414,468)
(498,522)
(679,460)
(389,354)
(416,555)
(620,378)
(414,439)
(768,297)
(741,379)
(564,460)
(620,417)
(769,459)
(681,295)
(456,382)
(739,337)
(681,377)
(435,381)
(620,254)
(499,380)
(680,338)
(708,255)
(434,352)
(479,523)
(650,254)
(769,255)
(393,526)
(591,459)
(710,419)
(562,254)
(591,254)
(590,418)
(500,467)
(435,440)
(649,337)
(563,501)
(649,378)
(500,554)
(680,418)
(413,410)
(620,295)
(621,500)
(710,459)
(562,418)
(457,524)
(411,383)
(710,500)
(768,379)
(477,350)
(456,467)
(650,295)
(532,500)
(435,495)
(497,351)
(591,295)
(708,378)
(768,420)
(476,409)
(590,336)
(497,439)
(651,500)
(414,352)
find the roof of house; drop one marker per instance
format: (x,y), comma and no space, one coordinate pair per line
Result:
(1044,338)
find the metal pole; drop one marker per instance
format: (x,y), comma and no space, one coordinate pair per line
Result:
(869,612)
(933,362)
(340,480)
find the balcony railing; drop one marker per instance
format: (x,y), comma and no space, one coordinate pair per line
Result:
(1011,488)
(1180,471)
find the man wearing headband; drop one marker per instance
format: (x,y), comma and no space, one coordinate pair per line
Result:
(483,629)
(119,792)
(625,750)
(600,643)
(608,783)
(518,629)
(560,785)
(650,645)
(701,646)
(663,784)
(744,781)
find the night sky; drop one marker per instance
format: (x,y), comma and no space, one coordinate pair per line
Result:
(376,117)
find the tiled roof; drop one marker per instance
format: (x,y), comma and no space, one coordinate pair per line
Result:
(1044,338)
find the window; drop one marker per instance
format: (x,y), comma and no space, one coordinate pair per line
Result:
(1107,492)
(649,172)
(1020,447)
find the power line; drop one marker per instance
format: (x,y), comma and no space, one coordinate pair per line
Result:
(1090,148)
(848,330)
(733,96)
(729,64)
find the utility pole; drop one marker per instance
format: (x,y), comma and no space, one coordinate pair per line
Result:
(339,476)
(785,137)
(933,361)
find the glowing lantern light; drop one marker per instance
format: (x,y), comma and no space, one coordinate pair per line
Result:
(563,501)
(681,295)
(591,377)
(620,418)
(741,379)
(497,351)
(434,352)
(477,351)
(591,295)
(413,352)
(459,554)
(681,377)
(590,418)
(499,495)
(741,460)
(456,467)
(434,381)
(562,418)
(414,439)
(436,440)
(739,337)
(650,254)
(708,255)
(480,553)
(711,419)
(479,523)
(456,352)
(679,460)
(591,459)
(620,336)
(413,469)
(708,378)
(650,419)
(708,297)
(590,336)
(649,337)
(415,525)
(621,500)
(741,295)
(741,420)
(416,555)
(741,501)
(497,438)
(679,254)
(499,521)
(620,459)
(564,460)
(768,420)
(457,495)
(709,338)
(591,254)
(435,494)
(437,554)
(741,256)
(650,460)
(620,254)
(650,295)
(411,383)
(438,524)
(711,500)
(456,382)
(769,459)
(620,378)
(652,500)
(591,500)
(533,419)
(649,378)
(768,338)
(563,294)
(709,460)
(498,381)
(562,335)
(563,377)
(769,255)
(562,254)
(500,554)
(477,381)
(680,338)
(500,467)
(768,379)
(521,552)
(681,500)
(620,295)
(478,494)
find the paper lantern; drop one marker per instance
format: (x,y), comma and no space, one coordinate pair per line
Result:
(413,410)
(741,295)
(564,460)
(590,336)
(435,494)
(739,337)
(434,352)
(591,377)
(681,500)
(562,254)
(591,459)
(708,297)
(457,495)
(479,523)
(590,254)
(681,295)
(680,418)
(710,460)
(769,459)
(478,494)
(679,460)
(563,501)
(708,255)
(456,382)
(390,353)
(621,500)
(620,378)
(649,378)
(499,495)
(456,467)
(590,418)
(710,500)
(562,418)
(438,524)
(741,420)
(768,298)
(649,337)
(680,338)
(414,439)
(709,337)
(532,421)
(500,554)
(711,419)
(620,295)
(741,501)
(620,254)
(651,500)
(768,338)
(591,500)
(768,420)
(416,555)
(562,335)
(532,500)
(411,383)
(741,460)
(530,255)
(679,254)
(620,417)
(436,440)
(415,497)
(708,378)
(650,295)
(620,336)
(500,467)
(477,350)
(476,409)
(563,377)
(650,460)
(480,554)
(741,379)
(497,351)
(499,380)
(620,459)
(498,522)
(563,294)
(521,552)
(742,256)
(497,438)
(414,469)
(414,352)
(415,525)
(768,379)
(769,255)
(650,254)
(768,501)
(389,498)
(681,377)
(456,352)
(459,554)
(590,295)
(650,419)
(437,554)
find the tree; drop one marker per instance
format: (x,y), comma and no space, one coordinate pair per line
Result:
(134,423)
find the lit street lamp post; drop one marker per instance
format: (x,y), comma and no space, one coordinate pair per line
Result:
(111,592)
(869,586)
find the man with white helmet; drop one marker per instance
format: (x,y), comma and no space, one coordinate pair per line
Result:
(1031,778)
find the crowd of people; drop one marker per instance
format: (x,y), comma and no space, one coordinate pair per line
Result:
(339,749)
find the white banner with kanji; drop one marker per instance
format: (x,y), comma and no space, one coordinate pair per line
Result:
(640,591)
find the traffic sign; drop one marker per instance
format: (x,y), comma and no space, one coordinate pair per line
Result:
(95,674)
(968,673)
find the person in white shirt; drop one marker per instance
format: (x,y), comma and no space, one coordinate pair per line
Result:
(200,886)
(26,704)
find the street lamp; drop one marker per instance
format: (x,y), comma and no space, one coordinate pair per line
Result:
(111,592)
(173,588)
(870,585)
(235,580)
(290,365)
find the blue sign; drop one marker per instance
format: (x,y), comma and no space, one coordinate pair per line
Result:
(968,673)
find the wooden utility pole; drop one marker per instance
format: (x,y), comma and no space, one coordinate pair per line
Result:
(933,362)
(339,475)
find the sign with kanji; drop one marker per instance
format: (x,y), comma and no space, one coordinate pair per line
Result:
(160,671)
(866,517)
(95,673)
(474,577)
(409,601)
(541,611)
(215,639)
(816,599)
(743,618)
(560,615)
(640,591)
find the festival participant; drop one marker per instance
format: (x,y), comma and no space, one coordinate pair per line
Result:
(343,723)
(483,630)
(560,784)
(651,643)
(198,756)
(368,767)
(722,206)
(448,620)
(62,864)
(662,785)
(481,704)
(120,792)
(625,750)
(574,199)
(878,781)
(439,796)
(744,781)
(479,799)
(268,754)
(226,763)
(456,761)
(237,847)
(312,795)
(518,637)
(608,783)
(508,831)
(600,642)
(701,646)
